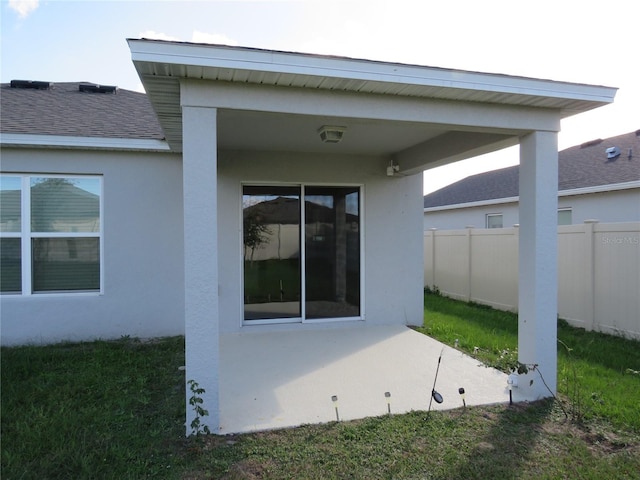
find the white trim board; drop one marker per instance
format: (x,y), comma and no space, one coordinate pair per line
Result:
(91,143)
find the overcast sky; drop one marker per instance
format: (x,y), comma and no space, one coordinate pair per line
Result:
(586,41)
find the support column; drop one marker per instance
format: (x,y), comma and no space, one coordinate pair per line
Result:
(538,277)
(199,172)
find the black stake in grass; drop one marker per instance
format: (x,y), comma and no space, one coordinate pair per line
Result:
(435,395)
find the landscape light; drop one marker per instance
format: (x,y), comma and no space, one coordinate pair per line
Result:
(334,399)
(462,395)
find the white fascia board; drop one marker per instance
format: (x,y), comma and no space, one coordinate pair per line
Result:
(563,193)
(600,189)
(91,143)
(217,56)
(483,203)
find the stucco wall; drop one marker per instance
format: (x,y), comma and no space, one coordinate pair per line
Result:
(607,207)
(392,210)
(143,242)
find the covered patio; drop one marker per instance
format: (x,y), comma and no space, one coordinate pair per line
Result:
(271,380)
(354,137)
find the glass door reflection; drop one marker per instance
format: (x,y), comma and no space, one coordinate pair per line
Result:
(332,252)
(271,237)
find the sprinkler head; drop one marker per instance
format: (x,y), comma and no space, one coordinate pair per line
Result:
(436,396)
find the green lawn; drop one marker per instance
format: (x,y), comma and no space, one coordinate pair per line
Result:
(598,375)
(116,410)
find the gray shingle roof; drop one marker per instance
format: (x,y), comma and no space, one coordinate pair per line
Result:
(65,110)
(580,166)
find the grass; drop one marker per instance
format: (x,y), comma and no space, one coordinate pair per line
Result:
(116,410)
(83,410)
(598,375)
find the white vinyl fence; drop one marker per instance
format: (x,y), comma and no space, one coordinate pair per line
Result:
(598,271)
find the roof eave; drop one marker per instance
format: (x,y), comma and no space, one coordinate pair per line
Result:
(22,140)
(162,64)
(176,58)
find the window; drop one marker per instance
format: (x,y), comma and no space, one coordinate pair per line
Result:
(564,216)
(494,220)
(301,253)
(50,234)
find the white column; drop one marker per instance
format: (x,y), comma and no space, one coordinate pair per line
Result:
(199,170)
(538,277)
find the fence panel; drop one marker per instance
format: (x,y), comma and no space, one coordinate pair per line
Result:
(452,263)
(617,279)
(598,271)
(494,267)
(575,270)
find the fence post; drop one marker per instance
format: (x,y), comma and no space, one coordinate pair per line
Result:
(469,272)
(433,258)
(589,235)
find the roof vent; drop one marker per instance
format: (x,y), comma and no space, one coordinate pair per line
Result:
(31,84)
(95,88)
(613,152)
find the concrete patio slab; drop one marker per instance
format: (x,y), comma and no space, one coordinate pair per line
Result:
(278,379)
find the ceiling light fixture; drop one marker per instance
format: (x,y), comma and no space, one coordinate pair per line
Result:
(331,134)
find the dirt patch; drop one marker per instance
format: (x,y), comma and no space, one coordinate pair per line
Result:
(600,442)
(609,443)
(247,470)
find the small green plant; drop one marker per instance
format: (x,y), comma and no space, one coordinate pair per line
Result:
(196,402)
(506,360)
(574,389)
(433,290)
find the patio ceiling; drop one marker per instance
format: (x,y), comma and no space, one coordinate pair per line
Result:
(163,65)
(287,132)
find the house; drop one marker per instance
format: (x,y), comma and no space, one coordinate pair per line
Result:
(232,128)
(599,179)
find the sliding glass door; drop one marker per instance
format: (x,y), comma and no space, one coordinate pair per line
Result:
(295,274)
(271,236)
(332,252)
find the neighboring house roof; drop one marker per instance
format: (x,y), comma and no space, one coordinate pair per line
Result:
(286,211)
(581,166)
(64,110)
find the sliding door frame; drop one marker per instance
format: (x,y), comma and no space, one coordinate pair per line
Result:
(302,235)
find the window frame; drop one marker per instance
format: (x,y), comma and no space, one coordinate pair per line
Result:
(492,215)
(564,210)
(27,235)
(302,320)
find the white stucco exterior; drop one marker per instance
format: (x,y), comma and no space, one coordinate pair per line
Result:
(143,293)
(537,260)
(391,206)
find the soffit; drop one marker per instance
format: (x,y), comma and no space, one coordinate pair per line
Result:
(162,64)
